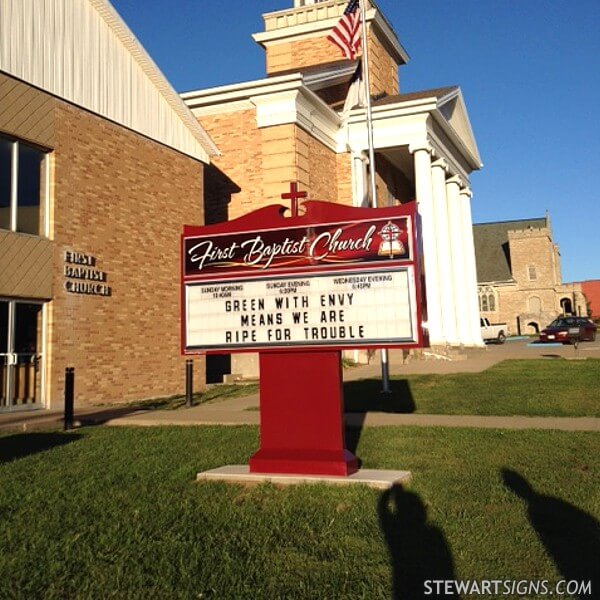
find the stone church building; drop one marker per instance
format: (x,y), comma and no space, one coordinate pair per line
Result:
(519,276)
(290,126)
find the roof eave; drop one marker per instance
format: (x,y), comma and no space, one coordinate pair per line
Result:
(128,39)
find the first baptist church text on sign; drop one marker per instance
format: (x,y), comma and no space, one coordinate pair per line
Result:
(335,276)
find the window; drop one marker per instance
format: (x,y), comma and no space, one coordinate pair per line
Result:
(487,299)
(5,182)
(484,303)
(532,273)
(22,177)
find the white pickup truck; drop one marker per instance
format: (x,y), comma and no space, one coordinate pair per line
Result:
(493,333)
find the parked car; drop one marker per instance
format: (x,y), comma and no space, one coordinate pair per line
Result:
(569,330)
(493,333)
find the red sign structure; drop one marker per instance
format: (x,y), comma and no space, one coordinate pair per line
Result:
(299,289)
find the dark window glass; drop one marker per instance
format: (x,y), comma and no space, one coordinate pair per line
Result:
(27,328)
(3,327)
(28,189)
(5,171)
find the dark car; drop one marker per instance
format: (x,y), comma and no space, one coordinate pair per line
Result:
(569,330)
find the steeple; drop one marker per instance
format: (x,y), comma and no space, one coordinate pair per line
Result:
(295,39)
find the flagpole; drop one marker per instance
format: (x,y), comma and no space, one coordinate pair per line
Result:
(385,374)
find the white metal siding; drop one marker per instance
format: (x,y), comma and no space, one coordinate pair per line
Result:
(81,51)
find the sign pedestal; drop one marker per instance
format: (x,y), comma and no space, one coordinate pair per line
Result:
(302,415)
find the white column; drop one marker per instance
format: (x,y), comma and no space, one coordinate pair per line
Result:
(424,197)
(456,251)
(360,196)
(472,306)
(444,257)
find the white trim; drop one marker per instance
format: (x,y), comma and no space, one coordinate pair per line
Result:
(315,29)
(239,91)
(44,353)
(408,123)
(278,101)
(48,157)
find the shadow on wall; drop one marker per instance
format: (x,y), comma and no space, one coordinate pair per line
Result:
(570,535)
(419,552)
(218,189)
(13,447)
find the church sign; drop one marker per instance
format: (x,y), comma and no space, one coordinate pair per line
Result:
(335,276)
(299,289)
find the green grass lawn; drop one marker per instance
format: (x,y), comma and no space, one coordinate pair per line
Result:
(116,513)
(557,388)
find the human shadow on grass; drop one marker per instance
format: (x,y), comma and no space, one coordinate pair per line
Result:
(364,396)
(13,447)
(419,552)
(570,535)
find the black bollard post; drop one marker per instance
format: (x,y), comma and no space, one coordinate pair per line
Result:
(189,382)
(69,397)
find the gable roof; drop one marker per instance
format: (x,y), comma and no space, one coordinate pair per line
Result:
(83,52)
(421,95)
(492,252)
(448,109)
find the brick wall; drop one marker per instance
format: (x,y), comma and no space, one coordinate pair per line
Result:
(299,54)
(240,142)
(123,199)
(317,51)
(383,72)
(533,248)
(261,163)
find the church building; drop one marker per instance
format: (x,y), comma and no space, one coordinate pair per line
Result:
(101,164)
(519,276)
(293,125)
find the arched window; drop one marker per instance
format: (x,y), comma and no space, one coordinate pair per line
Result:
(487,299)
(567,306)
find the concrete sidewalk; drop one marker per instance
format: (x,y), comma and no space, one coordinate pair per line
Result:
(244,410)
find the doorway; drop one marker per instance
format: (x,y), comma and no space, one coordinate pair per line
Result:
(21,326)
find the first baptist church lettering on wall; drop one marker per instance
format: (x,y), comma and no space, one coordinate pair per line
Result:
(82,275)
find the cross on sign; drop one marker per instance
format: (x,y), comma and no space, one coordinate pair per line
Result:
(294,195)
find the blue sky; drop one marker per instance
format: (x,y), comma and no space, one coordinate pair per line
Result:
(528,70)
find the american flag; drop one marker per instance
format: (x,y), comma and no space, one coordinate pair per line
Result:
(346,34)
